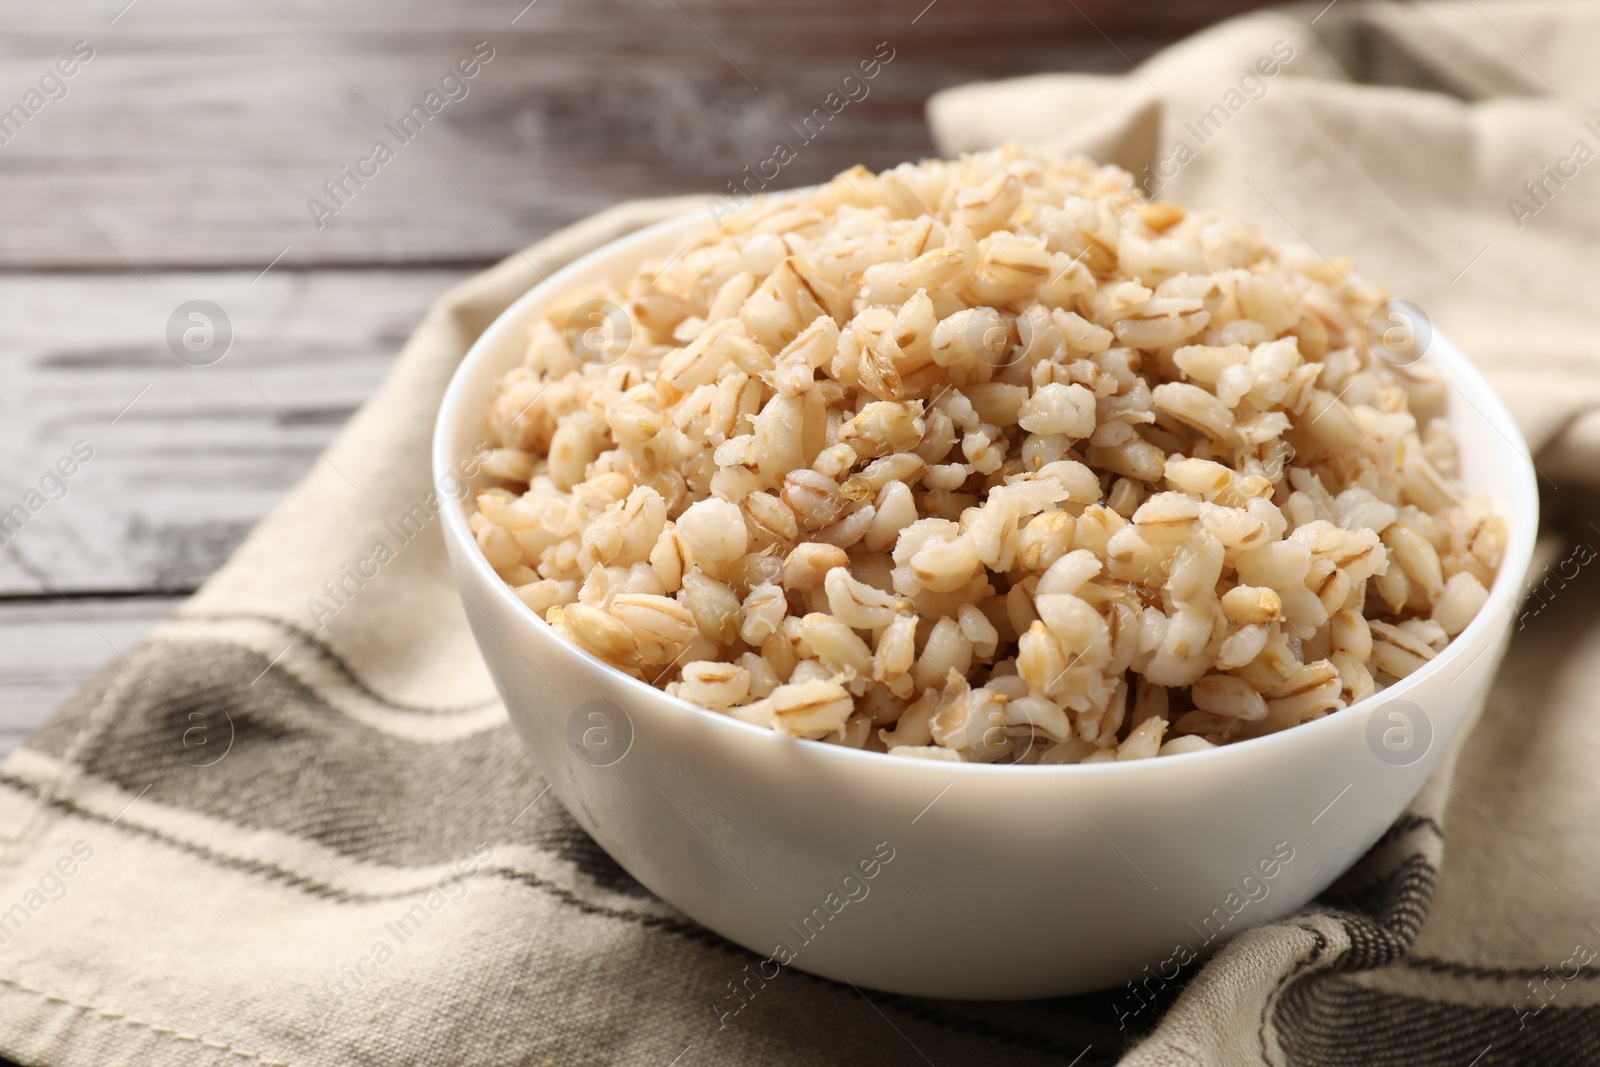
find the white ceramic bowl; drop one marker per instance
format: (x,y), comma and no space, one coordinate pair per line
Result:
(986,881)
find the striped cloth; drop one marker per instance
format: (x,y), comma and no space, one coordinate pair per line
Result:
(295,828)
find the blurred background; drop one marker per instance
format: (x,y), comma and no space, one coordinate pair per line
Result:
(219,159)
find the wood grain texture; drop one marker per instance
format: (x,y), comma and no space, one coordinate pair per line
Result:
(198,454)
(199,131)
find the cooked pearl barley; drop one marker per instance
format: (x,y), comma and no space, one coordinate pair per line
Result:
(713,685)
(713,531)
(1463,597)
(1397,652)
(1059,409)
(660,625)
(1223,694)
(988,460)
(499,547)
(810,708)
(1251,604)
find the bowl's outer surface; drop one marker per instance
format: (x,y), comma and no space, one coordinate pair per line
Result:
(1002,882)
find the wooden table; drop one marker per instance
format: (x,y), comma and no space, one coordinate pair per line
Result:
(176,163)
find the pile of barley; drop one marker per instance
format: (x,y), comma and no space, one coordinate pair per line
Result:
(987,459)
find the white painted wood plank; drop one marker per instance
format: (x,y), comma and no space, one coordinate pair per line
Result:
(198,454)
(199,130)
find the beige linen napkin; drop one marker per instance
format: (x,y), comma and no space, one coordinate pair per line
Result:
(278,835)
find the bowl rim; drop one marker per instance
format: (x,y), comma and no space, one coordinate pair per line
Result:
(1458,371)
